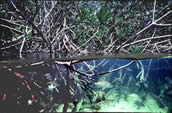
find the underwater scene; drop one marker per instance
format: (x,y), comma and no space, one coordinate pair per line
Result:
(98,85)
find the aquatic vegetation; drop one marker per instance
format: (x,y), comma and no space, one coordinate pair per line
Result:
(99,96)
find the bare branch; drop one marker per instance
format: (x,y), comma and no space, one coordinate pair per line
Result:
(150,38)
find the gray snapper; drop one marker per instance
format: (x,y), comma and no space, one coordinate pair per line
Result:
(103,84)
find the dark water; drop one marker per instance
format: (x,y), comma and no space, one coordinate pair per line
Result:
(114,85)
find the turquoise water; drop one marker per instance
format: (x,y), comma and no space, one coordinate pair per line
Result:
(101,85)
(144,86)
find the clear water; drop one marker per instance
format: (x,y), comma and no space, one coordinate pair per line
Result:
(101,85)
(144,86)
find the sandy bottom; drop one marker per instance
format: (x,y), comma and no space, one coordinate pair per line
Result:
(129,104)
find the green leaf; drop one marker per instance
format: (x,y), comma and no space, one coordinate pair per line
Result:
(136,49)
(104,15)
(29,35)
(120,32)
(117,31)
(86,15)
(121,20)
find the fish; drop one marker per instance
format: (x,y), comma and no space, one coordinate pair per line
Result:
(48,76)
(52,83)
(103,84)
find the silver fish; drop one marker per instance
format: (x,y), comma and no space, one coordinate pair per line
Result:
(103,84)
(52,83)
